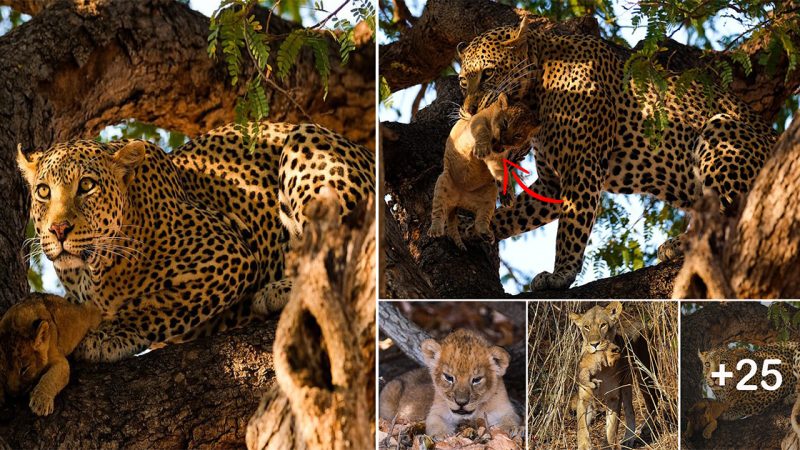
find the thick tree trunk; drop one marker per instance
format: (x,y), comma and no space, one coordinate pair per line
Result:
(194,395)
(719,324)
(79,66)
(325,343)
(757,254)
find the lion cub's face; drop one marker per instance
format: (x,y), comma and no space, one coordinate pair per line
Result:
(26,338)
(504,127)
(598,326)
(466,370)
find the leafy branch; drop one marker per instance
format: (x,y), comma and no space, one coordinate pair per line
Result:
(236,34)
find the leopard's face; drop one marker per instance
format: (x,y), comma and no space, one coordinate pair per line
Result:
(492,63)
(713,359)
(78,192)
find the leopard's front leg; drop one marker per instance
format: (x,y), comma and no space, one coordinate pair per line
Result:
(581,192)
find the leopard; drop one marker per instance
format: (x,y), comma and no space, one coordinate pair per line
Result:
(473,166)
(595,136)
(38,334)
(731,403)
(174,246)
(462,382)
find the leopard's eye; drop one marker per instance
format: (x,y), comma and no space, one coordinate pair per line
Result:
(85,185)
(488,73)
(477,380)
(43,192)
(447,377)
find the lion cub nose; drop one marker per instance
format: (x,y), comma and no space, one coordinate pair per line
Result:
(61,230)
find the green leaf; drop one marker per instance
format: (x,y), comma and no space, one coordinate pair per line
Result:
(289,51)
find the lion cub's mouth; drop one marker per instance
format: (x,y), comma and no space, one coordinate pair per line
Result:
(461,412)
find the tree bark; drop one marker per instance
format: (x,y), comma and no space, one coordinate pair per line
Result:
(718,324)
(325,343)
(194,395)
(413,156)
(78,66)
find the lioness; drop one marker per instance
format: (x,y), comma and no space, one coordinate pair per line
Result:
(464,381)
(599,327)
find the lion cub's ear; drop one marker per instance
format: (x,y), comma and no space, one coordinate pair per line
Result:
(502,101)
(499,360)
(575,318)
(431,350)
(614,309)
(129,157)
(28,164)
(42,339)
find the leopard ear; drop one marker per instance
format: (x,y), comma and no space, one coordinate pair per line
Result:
(42,333)
(499,360)
(28,164)
(519,38)
(614,309)
(459,49)
(129,157)
(431,350)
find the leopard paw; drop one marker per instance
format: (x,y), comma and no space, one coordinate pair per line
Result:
(547,280)
(670,250)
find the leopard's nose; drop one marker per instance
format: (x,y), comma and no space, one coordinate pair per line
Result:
(61,230)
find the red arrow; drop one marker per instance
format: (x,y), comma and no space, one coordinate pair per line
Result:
(507,169)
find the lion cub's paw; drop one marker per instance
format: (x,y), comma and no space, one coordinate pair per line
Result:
(481,151)
(41,403)
(436,230)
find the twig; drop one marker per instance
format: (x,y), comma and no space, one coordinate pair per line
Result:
(418,100)
(335,11)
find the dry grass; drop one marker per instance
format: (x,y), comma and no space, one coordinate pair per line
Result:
(553,358)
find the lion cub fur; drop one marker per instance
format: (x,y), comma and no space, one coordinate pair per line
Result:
(37,335)
(473,166)
(463,381)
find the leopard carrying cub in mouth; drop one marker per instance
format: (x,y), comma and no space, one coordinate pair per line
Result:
(592,137)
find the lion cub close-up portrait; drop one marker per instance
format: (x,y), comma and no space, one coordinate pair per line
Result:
(459,391)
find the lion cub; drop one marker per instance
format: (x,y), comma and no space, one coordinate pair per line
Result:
(591,364)
(463,381)
(473,166)
(37,335)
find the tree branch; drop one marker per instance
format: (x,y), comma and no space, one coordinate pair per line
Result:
(182,396)
(425,50)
